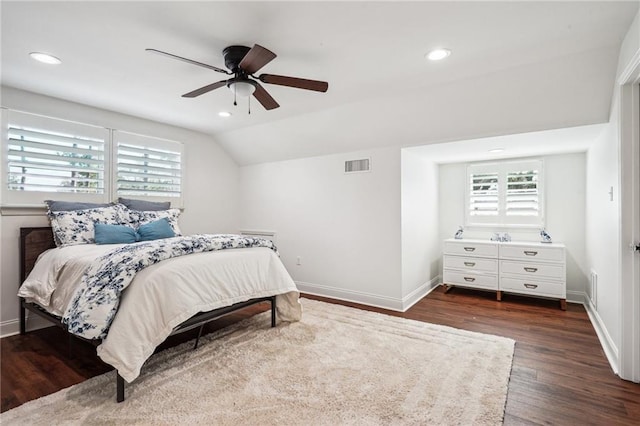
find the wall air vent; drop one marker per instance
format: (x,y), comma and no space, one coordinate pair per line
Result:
(357,166)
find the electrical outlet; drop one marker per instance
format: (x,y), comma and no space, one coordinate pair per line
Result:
(298,261)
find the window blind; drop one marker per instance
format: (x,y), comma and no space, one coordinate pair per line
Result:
(83,162)
(40,158)
(522,193)
(483,195)
(148,168)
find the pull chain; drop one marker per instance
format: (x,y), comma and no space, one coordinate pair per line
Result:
(249,104)
(234,97)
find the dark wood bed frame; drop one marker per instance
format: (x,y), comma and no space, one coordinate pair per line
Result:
(34,241)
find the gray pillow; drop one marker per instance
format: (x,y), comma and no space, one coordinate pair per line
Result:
(145,206)
(64,206)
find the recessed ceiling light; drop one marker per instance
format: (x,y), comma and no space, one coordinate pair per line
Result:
(224,114)
(45,58)
(438,54)
(496,150)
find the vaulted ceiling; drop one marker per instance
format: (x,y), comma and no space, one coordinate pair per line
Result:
(515,67)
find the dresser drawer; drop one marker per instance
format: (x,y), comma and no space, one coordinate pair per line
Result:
(517,252)
(471,248)
(471,264)
(533,269)
(471,280)
(534,287)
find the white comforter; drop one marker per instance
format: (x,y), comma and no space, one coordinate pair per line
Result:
(163,295)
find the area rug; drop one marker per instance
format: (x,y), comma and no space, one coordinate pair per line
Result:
(337,366)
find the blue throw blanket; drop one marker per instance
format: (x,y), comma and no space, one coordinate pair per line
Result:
(96,301)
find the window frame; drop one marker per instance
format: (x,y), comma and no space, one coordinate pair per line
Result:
(501,219)
(12,199)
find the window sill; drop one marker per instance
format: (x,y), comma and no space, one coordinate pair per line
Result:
(485,226)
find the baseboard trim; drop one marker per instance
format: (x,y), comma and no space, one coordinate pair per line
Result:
(362,298)
(578,297)
(608,346)
(12,327)
(416,295)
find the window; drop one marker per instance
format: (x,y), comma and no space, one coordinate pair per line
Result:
(506,193)
(47,158)
(45,155)
(147,167)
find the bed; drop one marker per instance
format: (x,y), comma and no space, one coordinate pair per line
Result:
(160,298)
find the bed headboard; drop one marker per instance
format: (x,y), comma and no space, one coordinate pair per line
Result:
(33,241)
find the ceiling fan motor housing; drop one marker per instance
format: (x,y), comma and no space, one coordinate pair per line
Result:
(233,55)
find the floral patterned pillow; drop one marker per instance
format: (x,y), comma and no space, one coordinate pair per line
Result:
(76,226)
(139,218)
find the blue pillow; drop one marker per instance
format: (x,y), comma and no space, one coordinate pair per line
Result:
(114,234)
(156,230)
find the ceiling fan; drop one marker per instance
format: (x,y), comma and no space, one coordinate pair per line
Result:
(243,62)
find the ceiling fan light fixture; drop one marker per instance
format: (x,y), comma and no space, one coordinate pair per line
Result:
(438,54)
(45,58)
(243,89)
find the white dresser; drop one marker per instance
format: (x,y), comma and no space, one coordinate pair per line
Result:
(529,268)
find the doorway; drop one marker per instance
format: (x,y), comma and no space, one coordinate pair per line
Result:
(629,355)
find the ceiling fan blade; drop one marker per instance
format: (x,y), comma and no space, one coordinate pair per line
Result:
(256,58)
(205,89)
(190,61)
(299,83)
(264,98)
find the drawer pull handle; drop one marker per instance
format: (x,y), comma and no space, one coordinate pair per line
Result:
(469,249)
(530,253)
(531,285)
(530,269)
(469,263)
(469,279)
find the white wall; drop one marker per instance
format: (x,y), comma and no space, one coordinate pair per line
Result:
(344,227)
(210,187)
(564,206)
(421,248)
(603,226)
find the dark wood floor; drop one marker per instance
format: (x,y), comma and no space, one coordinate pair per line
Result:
(560,374)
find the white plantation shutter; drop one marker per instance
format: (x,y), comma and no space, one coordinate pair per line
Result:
(45,155)
(484,197)
(522,193)
(48,158)
(148,167)
(505,193)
